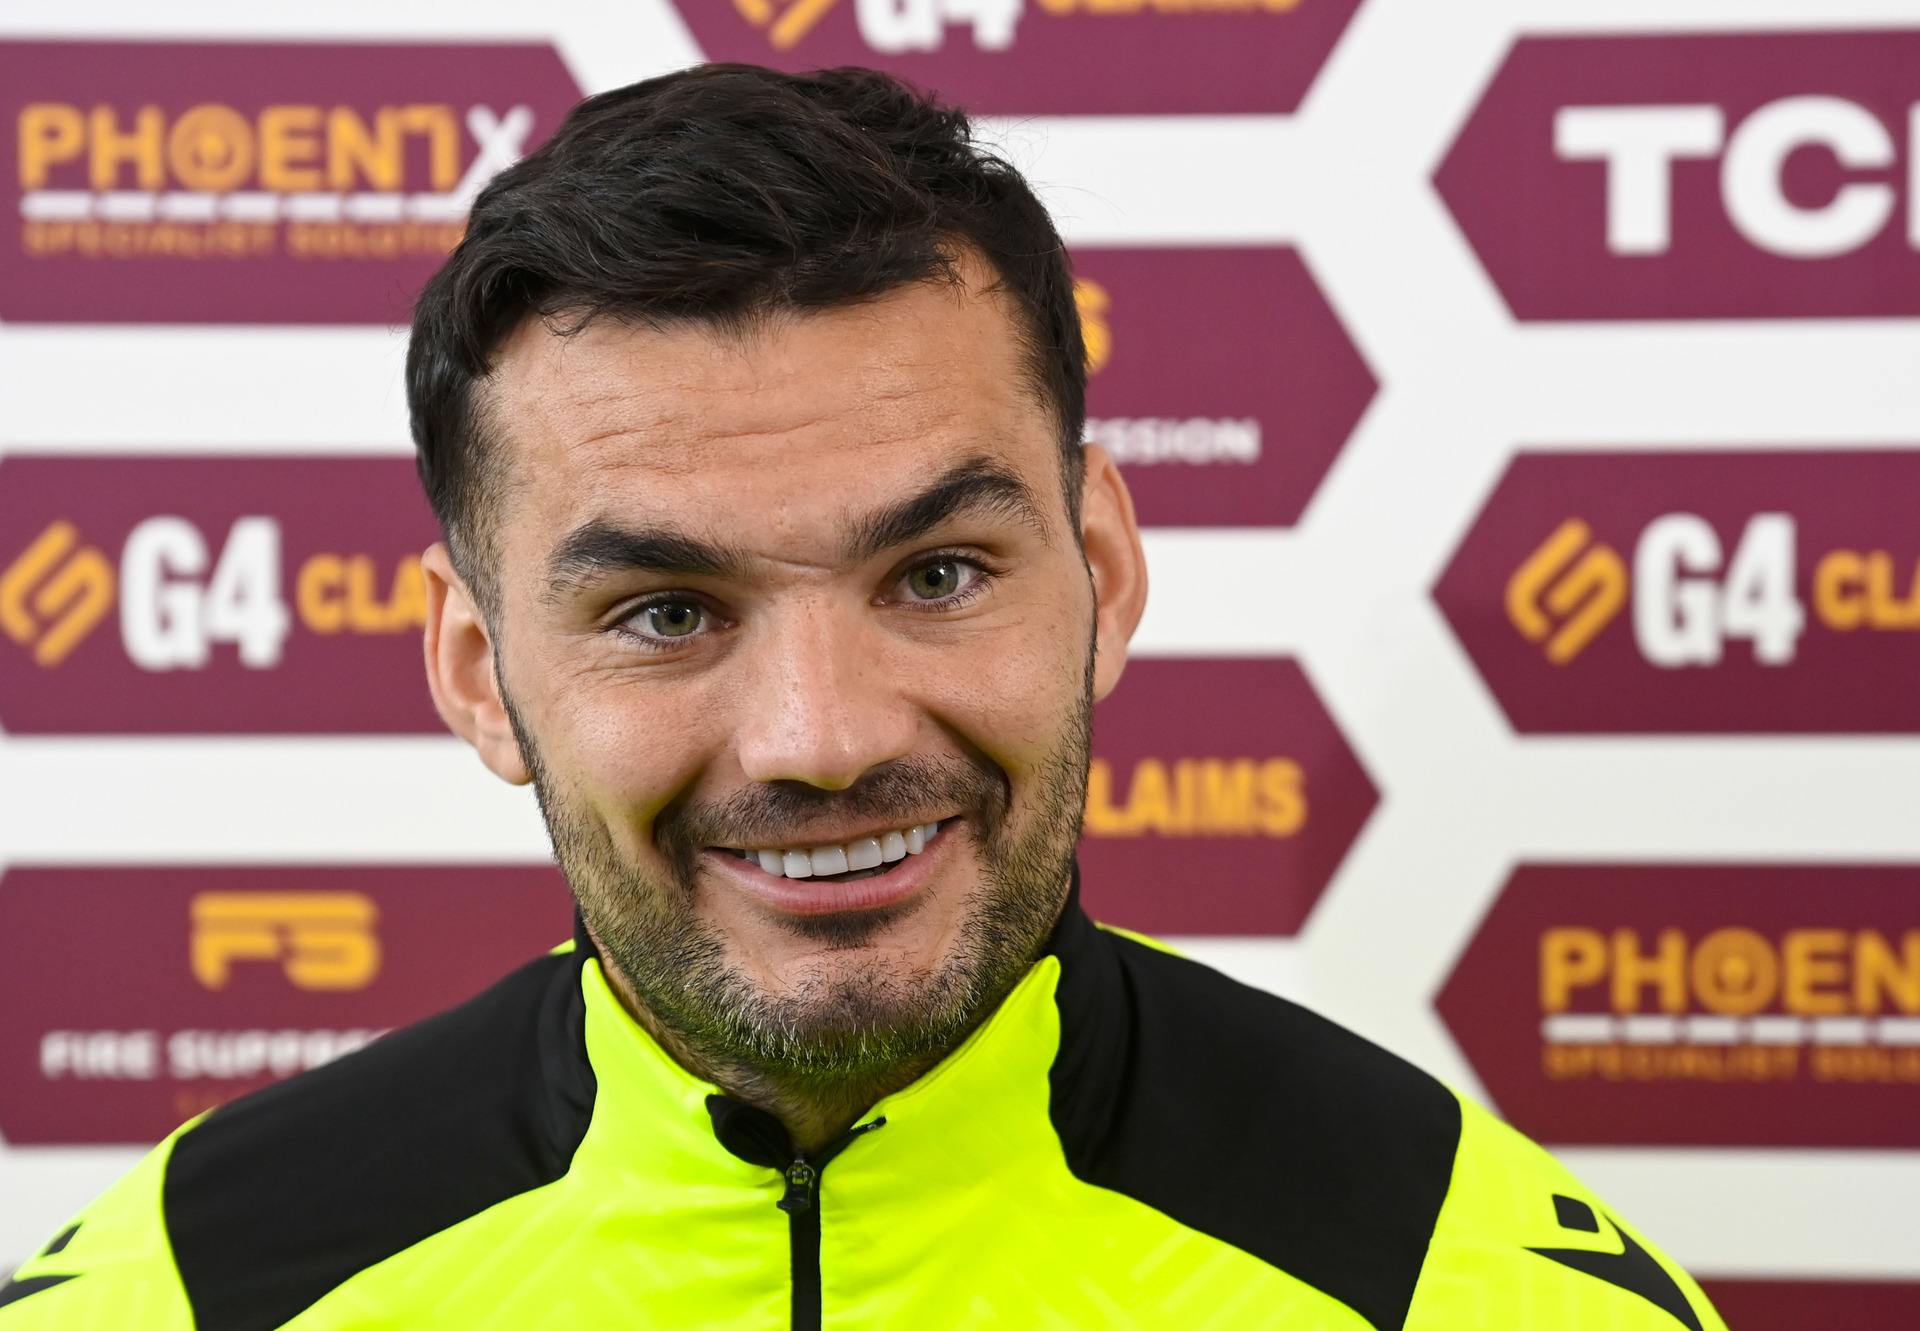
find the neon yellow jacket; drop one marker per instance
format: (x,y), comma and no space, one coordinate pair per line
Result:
(1131,1140)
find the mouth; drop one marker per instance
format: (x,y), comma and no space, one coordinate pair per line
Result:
(870,856)
(877,870)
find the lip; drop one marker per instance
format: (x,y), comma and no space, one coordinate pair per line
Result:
(809,896)
(833,837)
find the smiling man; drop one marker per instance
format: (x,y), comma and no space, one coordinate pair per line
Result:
(751,406)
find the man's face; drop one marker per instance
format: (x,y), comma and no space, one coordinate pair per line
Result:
(770,606)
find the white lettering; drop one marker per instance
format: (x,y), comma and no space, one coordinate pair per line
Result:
(100,1055)
(1750,177)
(1145,440)
(1639,144)
(1683,613)
(245,1054)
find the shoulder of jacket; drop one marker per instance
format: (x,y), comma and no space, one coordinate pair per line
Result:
(1518,1230)
(275,1199)
(112,1265)
(1252,1119)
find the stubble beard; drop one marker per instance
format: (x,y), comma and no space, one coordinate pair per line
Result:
(850,1031)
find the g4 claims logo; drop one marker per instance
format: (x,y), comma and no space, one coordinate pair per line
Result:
(54,593)
(1684,612)
(1708,592)
(278,595)
(322,940)
(178,601)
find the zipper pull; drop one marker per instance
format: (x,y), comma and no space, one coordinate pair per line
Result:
(801,1179)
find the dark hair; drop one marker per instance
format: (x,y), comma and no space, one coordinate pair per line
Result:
(721,194)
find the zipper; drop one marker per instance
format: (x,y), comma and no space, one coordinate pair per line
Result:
(801,1201)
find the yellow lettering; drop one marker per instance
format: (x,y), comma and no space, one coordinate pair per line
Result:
(1189,797)
(1855,589)
(1569,958)
(1103,819)
(1665,969)
(50,133)
(210,148)
(140,148)
(1735,972)
(1283,797)
(316,594)
(1097,8)
(1150,801)
(1837,593)
(341,594)
(364,612)
(407,602)
(213,147)
(442,131)
(1814,957)
(1879,975)
(354,154)
(1885,606)
(290,148)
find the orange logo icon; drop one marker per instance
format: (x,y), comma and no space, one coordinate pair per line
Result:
(54,593)
(785,21)
(1092,301)
(1567,591)
(322,940)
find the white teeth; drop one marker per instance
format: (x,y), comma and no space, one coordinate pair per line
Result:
(865,853)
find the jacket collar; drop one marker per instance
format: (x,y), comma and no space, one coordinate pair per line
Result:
(1003,1082)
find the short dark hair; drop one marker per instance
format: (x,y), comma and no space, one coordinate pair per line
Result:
(722,194)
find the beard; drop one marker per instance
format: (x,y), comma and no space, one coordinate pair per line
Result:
(829,1031)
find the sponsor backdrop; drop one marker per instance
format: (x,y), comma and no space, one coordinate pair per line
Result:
(1523,401)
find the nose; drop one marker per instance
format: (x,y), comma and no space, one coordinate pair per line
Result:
(825,707)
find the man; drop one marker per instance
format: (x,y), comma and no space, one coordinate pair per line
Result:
(751,406)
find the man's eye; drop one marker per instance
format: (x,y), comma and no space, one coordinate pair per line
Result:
(667,619)
(941,579)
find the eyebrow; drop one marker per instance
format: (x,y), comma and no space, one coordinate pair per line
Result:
(978,485)
(600,547)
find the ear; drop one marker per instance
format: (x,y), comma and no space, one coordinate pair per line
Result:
(460,669)
(1111,539)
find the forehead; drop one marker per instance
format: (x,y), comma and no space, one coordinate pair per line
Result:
(808,406)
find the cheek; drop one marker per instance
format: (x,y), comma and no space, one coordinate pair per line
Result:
(626,750)
(1016,705)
